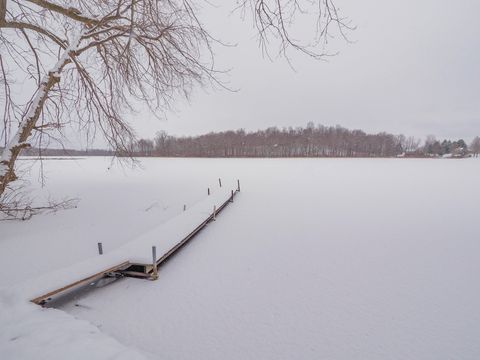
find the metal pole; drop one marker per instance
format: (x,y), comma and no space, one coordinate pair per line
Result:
(214,212)
(208,191)
(184,207)
(100,248)
(231,198)
(238,185)
(220,182)
(154,262)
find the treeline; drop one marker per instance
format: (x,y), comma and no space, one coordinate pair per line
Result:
(459,148)
(34,151)
(311,141)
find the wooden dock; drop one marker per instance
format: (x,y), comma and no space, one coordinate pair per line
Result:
(136,269)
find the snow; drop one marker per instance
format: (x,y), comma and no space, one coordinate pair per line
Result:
(317,258)
(30,332)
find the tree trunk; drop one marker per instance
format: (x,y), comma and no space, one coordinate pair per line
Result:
(33,112)
(3,11)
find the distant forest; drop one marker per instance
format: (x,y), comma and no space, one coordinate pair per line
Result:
(309,141)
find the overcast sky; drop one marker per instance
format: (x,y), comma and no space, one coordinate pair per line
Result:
(413,68)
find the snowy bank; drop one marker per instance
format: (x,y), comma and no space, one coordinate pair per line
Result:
(29,331)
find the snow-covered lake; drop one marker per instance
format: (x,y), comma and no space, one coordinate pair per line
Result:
(316,259)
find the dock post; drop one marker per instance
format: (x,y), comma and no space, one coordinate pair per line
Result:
(100,248)
(154,262)
(231,197)
(214,212)
(184,207)
(220,182)
(238,185)
(208,191)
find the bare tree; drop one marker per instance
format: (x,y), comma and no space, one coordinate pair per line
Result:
(411,144)
(312,141)
(93,60)
(475,146)
(144,147)
(430,140)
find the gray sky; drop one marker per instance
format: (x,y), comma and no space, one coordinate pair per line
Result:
(413,68)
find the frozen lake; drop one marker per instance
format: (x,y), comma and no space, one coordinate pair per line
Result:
(316,259)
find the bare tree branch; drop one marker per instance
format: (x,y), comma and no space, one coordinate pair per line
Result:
(93,61)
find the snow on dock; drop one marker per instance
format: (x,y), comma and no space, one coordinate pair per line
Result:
(134,258)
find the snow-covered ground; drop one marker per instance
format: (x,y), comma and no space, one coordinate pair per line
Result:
(316,259)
